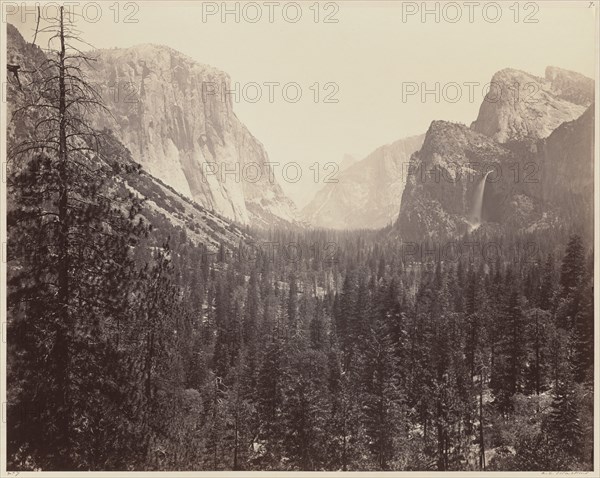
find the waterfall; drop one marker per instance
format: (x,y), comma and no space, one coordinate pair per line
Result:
(475,216)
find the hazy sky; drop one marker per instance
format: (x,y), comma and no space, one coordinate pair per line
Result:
(368,55)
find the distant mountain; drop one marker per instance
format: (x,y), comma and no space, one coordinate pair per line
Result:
(540,159)
(523,106)
(368,193)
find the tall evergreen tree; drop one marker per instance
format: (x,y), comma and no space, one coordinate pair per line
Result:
(508,371)
(563,425)
(71,271)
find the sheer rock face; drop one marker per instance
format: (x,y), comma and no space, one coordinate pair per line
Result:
(367,193)
(170,112)
(170,212)
(564,176)
(442,180)
(522,106)
(534,184)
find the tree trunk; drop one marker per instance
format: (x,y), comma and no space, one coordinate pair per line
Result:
(235,443)
(481,442)
(64,326)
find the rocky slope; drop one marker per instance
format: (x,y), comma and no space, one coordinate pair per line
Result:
(564,164)
(368,192)
(170,212)
(542,170)
(165,112)
(523,106)
(442,180)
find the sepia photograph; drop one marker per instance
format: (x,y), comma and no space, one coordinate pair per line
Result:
(323,237)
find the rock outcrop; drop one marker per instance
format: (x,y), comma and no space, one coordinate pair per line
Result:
(522,106)
(171,213)
(443,178)
(170,111)
(564,172)
(540,157)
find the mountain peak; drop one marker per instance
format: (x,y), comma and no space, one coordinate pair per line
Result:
(158,58)
(513,74)
(570,85)
(520,105)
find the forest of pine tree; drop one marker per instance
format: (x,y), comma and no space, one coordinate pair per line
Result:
(130,347)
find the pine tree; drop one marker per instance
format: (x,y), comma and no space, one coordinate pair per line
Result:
(345,317)
(71,268)
(292,306)
(571,280)
(583,336)
(222,350)
(251,310)
(473,320)
(381,400)
(304,409)
(574,311)
(317,332)
(548,285)
(563,426)
(270,398)
(507,379)
(236,409)
(343,418)
(572,268)
(537,359)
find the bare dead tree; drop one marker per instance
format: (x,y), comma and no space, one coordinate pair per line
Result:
(71,237)
(37,25)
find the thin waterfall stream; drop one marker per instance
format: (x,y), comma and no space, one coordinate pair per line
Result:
(476,210)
